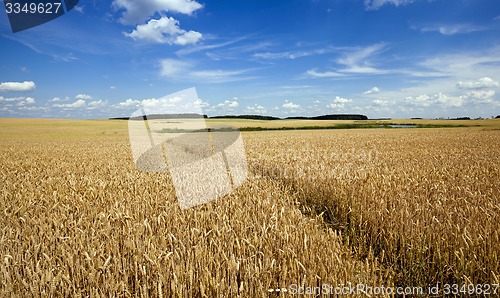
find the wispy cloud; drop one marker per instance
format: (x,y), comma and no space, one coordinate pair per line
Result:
(179,69)
(355,61)
(450,29)
(204,47)
(294,54)
(326,74)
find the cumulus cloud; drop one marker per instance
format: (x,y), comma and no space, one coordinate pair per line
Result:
(485,82)
(200,103)
(481,96)
(339,103)
(422,100)
(19,100)
(256,109)
(96,104)
(138,11)
(290,105)
(164,30)
(77,104)
(377,4)
(372,90)
(440,98)
(17,86)
(129,103)
(229,105)
(168,104)
(83,96)
(381,102)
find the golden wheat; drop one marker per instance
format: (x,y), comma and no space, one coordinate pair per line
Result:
(375,207)
(425,201)
(79,220)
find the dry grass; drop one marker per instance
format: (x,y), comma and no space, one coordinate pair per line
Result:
(79,220)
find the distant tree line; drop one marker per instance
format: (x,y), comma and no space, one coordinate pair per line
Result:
(163,116)
(251,117)
(333,117)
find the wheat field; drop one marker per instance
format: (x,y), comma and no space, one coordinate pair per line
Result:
(392,207)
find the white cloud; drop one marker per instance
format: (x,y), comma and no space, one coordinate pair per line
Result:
(355,61)
(80,9)
(372,90)
(381,102)
(20,100)
(17,86)
(341,100)
(290,105)
(358,60)
(138,11)
(129,103)
(451,29)
(58,99)
(256,109)
(376,4)
(421,100)
(178,69)
(326,74)
(83,96)
(228,105)
(481,96)
(190,37)
(164,30)
(339,103)
(171,67)
(293,55)
(96,104)
(200,103)
(450,101)
(77,104)
(440,98)
(219,75)
(485,82)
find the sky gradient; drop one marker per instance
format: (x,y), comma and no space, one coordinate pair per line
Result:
(380,58)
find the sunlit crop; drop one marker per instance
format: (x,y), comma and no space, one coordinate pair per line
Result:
(374,206)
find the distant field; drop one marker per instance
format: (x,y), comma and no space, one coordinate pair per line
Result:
(120,126)
(377,207)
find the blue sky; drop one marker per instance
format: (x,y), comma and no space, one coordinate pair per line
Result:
(381,58)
